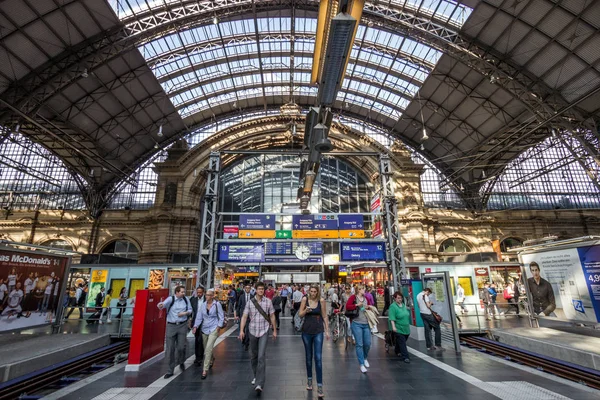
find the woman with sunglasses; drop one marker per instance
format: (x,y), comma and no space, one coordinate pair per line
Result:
(399,323)
(210,318)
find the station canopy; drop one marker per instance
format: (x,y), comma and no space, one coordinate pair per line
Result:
(105,85)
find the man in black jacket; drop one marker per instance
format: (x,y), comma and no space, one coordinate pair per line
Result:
(240,306)
(199,345)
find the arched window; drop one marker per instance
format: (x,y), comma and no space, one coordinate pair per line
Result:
(509,243)
(121,248)
(454,246)
(58,244)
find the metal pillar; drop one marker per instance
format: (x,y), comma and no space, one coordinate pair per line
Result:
(206,252)
(392,227)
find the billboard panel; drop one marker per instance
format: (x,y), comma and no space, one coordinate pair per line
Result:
(565,283)
(31,286)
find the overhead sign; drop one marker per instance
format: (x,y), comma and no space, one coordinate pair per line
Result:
(249,221)
(283,234)
(342,271)
(363,251)
(293,260)
(230,231)
(256,234)
(278,248)
(315,222)
(352,234)
(351,221)
(251,252)
(315,234)
(315,247)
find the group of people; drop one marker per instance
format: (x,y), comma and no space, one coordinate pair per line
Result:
(257,308)
(20,295)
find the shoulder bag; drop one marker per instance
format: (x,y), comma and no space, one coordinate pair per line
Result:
(437,316)
(352,313)
(260,310)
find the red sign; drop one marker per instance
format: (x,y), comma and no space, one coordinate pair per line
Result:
(376,203)
(30,287)
(377,231)
(427,270)
(481,272)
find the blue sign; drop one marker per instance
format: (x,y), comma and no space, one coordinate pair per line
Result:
(351,221)
(315,247)
(249,222)
(578,305)
(251,252)
(293,260)
(314,222)
(363,251)
(589,257)
(278,248)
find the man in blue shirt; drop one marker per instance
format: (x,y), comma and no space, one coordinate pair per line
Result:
(179,310)
(284,298)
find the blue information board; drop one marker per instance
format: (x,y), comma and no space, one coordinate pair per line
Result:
(293,260)
(314,222)
(249,222)
(315,247)
(233,252)
(374,251)
(351,221)
(278,248)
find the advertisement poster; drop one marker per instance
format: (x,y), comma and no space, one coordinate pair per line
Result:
(30,288)
(156,279)
(566,283)
(439,295)
(97,282)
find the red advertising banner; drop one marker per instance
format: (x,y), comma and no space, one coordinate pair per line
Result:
(31,286)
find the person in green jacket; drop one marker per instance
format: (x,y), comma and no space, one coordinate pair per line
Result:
(399,323)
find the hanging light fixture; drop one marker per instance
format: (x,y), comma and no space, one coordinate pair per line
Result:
(422,147)
(425,137)
(17,128)
(160,131)
(215,20)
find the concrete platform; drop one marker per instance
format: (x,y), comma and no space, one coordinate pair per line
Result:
(22,354)
(577,348)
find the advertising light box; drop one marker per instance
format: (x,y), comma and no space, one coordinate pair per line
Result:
(364,251)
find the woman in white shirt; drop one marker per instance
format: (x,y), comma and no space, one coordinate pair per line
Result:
(210,316)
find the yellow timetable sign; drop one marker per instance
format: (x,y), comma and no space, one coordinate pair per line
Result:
(352,234)
(243,274)
(255,234)
(312,234)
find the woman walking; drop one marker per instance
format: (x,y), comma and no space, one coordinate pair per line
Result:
(106,307)
(399,323)
(121,303)
(210,316)
(355,308)
(314,312)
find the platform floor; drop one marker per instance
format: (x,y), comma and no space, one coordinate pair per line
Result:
(430,375)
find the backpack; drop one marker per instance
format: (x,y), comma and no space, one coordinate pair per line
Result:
(187,303)
(507,295)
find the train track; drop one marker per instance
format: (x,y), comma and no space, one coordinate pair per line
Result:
(29,384)
(580,374)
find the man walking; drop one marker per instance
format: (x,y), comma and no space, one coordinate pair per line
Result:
(261,313)
(429,322)
(240,306)
(284,298)
(78,304)
(196,301)
(179,310)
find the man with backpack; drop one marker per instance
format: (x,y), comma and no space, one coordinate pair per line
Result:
(179,310)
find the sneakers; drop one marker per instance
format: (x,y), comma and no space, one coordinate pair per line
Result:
(432,348)
(253,381)
(406,360)
(363,369)
(367,364)
(258,389)
(101,323)
(320,391)
(108,321)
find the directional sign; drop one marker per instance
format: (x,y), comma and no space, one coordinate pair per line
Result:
(283,234)
(294,260)
(351,221)
(314,222)
(278,248)
(249,221)
(256,234)
(251,252)
(302,234)
(363,251)
(352,234)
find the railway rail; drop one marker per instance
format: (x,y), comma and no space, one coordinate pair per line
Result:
(28,386)
(585,376)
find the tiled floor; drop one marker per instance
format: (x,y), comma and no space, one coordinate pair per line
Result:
(447,375)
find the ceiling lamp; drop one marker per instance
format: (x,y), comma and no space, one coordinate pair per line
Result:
(215,20)
(160,132)
(425,137)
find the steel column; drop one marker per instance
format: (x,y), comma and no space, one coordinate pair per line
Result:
(392,227)
(206,251)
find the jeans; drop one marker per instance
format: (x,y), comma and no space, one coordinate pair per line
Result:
(313,344)
(362,335)
(208,342)
(401,348)
(45,303)
(106,312)
(258,349)
(176,342)
(429,323)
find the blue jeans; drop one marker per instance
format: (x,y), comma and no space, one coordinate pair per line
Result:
(362,335)
(313,344)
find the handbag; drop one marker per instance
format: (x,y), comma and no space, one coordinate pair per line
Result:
(435,315)
(298,322)
(352,313)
